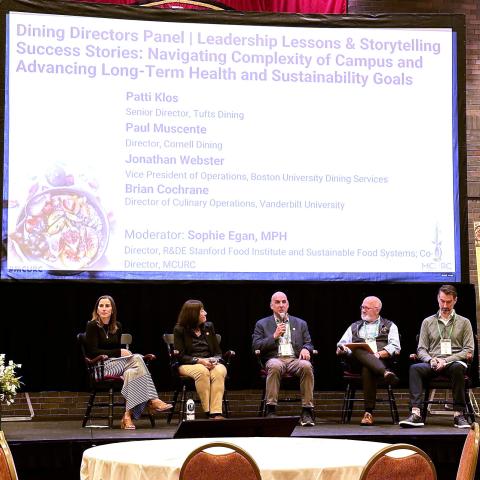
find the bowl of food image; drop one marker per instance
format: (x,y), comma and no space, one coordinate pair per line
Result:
(63,228)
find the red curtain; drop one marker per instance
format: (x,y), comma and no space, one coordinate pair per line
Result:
(286,6)
(289,6)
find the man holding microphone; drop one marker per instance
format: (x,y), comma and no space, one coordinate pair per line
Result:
(285,346)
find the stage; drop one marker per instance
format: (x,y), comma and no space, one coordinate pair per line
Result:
(54,450)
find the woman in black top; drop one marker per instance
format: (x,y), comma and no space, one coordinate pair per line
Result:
(103,336)
(200,356)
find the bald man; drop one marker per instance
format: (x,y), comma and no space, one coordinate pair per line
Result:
(382,337)
(285,346)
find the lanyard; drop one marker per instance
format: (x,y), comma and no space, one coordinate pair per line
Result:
(445,327)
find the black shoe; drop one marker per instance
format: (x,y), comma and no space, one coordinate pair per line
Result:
(271,411)
(307,417)
(412,421)
(217,416)
(461,422)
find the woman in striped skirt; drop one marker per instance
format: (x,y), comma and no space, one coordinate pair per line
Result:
(103,336)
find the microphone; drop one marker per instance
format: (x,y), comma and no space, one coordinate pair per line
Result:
(283,318)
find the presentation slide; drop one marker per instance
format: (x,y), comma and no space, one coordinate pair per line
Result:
(176,150)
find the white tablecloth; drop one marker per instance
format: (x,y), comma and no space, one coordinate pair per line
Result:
(286,458)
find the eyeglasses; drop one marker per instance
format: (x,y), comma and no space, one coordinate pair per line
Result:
(364,307)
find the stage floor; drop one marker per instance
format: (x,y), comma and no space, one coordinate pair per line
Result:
(38,431)
(54,449)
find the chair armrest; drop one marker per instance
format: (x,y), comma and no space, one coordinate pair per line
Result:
(258,356)
(228,357)
(313,357)
(173,355)
(96,367)
(149,357)
(174,361)
(344,362)
(91,362)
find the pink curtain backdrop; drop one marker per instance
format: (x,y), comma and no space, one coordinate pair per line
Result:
(289,6)
(284,6)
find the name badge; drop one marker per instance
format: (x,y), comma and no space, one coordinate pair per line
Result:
(372,344)
(446,347)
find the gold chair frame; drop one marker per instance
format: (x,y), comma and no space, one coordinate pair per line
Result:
(398,446)
(8,456)
(236,450)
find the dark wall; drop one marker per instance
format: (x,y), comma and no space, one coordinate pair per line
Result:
(40,322)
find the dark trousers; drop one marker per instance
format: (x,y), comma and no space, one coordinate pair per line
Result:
(371,368)
(422,372)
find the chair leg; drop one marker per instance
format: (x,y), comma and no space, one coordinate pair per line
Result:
(174,406)
(393,405)
(226,409)
(353,391)
(91,400)
(346,397)
(183,404)
(468,403)
(263,404)
(152,420)
(110,408)
(425,404)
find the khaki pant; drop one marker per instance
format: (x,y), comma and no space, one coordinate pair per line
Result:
(276,367)
(210,384)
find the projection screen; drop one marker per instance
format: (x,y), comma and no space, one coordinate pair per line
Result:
(145,144)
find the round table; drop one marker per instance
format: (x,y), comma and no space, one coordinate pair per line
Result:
(279,458)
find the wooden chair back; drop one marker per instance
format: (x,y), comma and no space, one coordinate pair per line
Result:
(126,340)
(468,460)
(7,466)
(236,464)
(415,466)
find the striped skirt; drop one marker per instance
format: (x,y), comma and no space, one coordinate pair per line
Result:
(138,387)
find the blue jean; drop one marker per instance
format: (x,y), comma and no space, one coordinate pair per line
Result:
(422,372)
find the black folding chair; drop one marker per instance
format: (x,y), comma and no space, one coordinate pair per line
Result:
(183,385)
(98,382)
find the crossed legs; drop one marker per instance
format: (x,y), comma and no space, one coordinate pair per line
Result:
(371,368)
